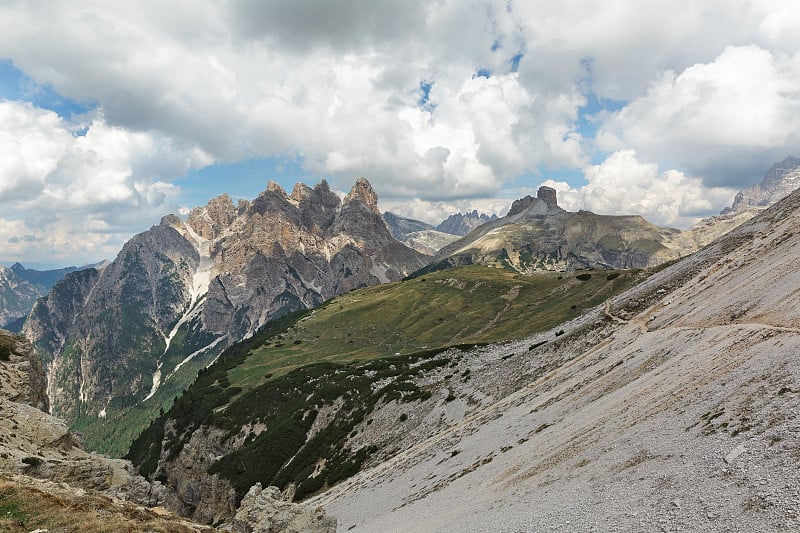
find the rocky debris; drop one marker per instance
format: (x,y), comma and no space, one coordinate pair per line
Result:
(266,511)
(616,425)
(734,454)
(139,490)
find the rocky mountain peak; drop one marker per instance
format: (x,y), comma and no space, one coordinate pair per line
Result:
(544,202)
(210,221)
(301,191)
(548,194)
(364,193)
(779,182)
(172,221)
(273,186)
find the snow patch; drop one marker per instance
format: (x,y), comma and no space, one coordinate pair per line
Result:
(156,382)
(194,354)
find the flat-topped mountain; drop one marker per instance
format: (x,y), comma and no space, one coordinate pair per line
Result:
(121,341)
(537,234)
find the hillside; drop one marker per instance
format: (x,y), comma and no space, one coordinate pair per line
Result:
(676,406)
(537,234)
(302,385)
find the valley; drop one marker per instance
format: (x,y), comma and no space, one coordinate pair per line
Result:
(453,372)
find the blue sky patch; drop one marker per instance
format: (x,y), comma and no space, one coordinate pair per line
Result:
(424,102)
(245,179)
(16,85)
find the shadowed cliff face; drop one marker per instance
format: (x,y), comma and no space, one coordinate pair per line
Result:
(176,295)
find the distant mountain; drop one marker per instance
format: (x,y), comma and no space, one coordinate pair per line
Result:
(538,235)
(17,297)
(19,289)
(45,278)
(122,341)
(418,235)
(782,179)
(399,226)
(462,223)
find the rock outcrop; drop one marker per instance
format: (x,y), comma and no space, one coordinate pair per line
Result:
(134,333)
(266,511)
(538,235)
(35,444)
(780,181)
(22,378)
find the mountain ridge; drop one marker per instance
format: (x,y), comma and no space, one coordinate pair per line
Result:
(138,329)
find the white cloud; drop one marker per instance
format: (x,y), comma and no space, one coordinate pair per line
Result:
(708,89)
(714,117)
(72,194)
(623,185)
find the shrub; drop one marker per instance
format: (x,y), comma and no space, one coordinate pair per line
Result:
(584,277)
(33,462)
(613,275)
(6,344)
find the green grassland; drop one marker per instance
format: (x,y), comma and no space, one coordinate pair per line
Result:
(304,361)
(466,305)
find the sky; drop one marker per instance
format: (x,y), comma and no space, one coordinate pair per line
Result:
(113,114)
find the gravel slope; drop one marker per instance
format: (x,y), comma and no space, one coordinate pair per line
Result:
(675,408)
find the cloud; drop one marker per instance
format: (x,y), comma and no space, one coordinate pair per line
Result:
(705,89)
(727,120)
(436,212)
(623,185)
(79,193)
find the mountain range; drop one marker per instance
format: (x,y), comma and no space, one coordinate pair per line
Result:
(121,341)
(273,343)
(673,405)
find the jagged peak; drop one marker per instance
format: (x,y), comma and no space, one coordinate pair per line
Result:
(172,220)
(221,200)
(363,192)
(301,191)
(322,186)
(273,187)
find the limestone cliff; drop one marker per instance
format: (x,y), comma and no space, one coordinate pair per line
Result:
(133,334)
